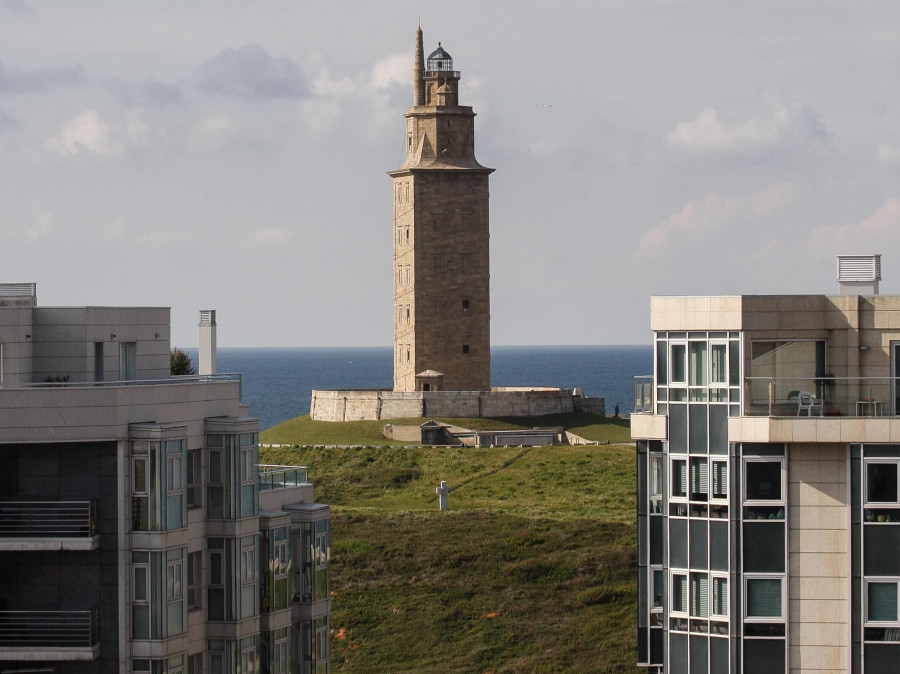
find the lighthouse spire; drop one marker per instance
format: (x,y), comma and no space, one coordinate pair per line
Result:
(419,71)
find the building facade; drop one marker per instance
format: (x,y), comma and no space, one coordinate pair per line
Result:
(137,531)
(441,258)
(768,456)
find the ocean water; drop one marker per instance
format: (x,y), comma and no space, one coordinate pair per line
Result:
(277,382)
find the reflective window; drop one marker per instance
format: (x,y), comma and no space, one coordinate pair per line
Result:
(764,597)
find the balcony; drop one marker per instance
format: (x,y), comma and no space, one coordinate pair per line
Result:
(36,636)
(272,476)
(823,396)
(48,525)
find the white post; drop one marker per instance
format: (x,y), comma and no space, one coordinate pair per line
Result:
(442,492)
(206,359)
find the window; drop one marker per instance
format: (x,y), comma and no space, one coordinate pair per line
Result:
(764,480)
(795,366)
(679,594)
(718,364)
(719,480)
(764,598)
(194,579)
(699,480)
(465,305)
(679,478)
(194,498)
(465,348)
(658,591)
(656,483)
(881,482)
(698,364)
(140,595)
(281,656)
(248,565)
(174,578)
(280,558)
(881,601)
(719,596)
(699,595)
(678,364)
(195,664)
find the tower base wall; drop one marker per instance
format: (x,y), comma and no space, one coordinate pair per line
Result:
(377,404)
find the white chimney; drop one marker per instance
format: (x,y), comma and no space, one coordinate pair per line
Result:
(207,357)
(859,274)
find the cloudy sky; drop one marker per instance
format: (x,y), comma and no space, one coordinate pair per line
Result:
(232,155)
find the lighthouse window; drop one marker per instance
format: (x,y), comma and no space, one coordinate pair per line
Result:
(465,348)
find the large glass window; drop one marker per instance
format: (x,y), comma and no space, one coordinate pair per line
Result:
(881,482)
(678,362)
(679,594)
(881,601)
(794,365)
(764,480)
(698,363)
(679,478)
(699,595)
(699,480)
(719,596)
(720,480)
(764,598)
(718,364)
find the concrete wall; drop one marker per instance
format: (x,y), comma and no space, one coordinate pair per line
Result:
(354,405)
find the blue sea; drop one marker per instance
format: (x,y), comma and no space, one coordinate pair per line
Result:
(277,382)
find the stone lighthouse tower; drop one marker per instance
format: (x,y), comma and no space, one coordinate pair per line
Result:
(441,264)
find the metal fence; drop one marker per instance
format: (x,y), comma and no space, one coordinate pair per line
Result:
(48,519)
(49,629)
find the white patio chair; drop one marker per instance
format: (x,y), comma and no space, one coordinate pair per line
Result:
(806,401)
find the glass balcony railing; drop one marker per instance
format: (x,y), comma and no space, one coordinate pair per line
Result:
(280,477)
(643,394)
(822,396)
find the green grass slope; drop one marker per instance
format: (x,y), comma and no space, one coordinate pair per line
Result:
(304,431)
(531,570)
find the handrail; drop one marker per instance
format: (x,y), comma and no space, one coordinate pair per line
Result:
(643,394)
(49,629)
(273,476)
(48,519)
(832,396)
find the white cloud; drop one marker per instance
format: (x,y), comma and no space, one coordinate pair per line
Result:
(392,70)
(711,213)
(213,132)
(888,154)
(880,228)
(271,236)
(778,126)
(42,227)
(87,132)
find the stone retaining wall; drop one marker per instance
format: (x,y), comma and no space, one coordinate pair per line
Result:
(375,404)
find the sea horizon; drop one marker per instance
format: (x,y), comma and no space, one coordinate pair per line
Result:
(277,381)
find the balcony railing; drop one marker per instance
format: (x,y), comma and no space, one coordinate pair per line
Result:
(49,629)
(48,519)
(822,396)
(165,381)
(643,394)
(280,477)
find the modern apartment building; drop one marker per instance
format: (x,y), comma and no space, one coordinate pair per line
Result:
(137,531)
(768,458)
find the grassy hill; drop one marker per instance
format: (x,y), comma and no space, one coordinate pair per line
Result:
(531,570)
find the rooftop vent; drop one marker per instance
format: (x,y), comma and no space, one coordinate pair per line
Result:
(859,274)
(18,290)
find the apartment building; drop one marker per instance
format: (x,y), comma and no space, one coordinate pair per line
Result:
(768,458)
(138,532)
